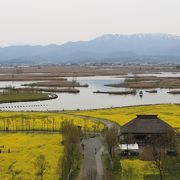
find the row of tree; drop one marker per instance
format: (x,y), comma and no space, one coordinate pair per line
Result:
(70,161)
(44,124)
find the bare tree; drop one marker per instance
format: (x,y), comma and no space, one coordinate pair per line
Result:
(53,120)
(41,166)
(71,156)
(159,145)
(111,140)
(158,157)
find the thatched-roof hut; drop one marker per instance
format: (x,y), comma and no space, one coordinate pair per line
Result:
(143,127)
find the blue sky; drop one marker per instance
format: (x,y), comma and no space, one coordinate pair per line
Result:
(58,21)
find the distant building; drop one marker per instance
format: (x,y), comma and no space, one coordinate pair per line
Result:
(144,128)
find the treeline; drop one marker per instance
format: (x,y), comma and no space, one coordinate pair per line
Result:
(24,123)
(69,163)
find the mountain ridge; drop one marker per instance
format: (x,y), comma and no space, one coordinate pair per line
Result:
(107,46)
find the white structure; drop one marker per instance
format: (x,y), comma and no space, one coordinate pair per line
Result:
(133,147)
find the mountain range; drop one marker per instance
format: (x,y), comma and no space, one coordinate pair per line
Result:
(111,48)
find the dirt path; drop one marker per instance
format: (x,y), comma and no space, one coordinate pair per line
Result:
(92,168)
(107,123)
(92,165)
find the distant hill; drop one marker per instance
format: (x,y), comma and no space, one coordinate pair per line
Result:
(139,48)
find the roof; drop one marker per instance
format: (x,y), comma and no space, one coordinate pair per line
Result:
(129,146)
(146,124)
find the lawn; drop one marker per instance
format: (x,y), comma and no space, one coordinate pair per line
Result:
(170,113)
(23,96)
(24,149)
(43,121)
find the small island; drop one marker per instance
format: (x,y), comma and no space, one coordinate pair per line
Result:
(149,82)
(133,92)
(56,84)
(174,92)
(24,96)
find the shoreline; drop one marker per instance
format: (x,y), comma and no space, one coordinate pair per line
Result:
(77,110)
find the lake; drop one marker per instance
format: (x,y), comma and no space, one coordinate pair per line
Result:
(86,99)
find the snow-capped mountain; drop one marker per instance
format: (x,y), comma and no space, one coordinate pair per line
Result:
(111,47)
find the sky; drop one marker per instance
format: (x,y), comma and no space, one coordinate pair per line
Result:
(58,21)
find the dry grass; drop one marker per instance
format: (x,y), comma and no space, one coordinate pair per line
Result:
(149,82)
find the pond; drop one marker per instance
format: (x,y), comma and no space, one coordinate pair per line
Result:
(86,99)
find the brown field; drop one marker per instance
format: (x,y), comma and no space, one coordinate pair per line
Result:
(50,72)
(53,76)
(149,82)
(29,77)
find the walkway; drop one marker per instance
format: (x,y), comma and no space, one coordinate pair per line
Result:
(92,168)
(92,165)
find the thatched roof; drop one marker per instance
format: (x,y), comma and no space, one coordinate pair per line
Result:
(146,124)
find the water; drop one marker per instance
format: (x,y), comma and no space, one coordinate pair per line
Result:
(86,99)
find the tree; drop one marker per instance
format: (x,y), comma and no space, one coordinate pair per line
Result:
(159,145)
(71,157)
(74,81)
(111,140)
(41,166)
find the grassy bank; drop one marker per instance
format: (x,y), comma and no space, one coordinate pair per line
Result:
(170,113)
(25,96)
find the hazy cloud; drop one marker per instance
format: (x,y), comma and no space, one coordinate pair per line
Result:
(57,21)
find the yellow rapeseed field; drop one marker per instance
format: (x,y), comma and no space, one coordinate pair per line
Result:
(43,121)
(170,113)
(24,149)
(136,168)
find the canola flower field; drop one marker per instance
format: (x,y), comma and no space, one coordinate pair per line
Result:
(170,113)
(25,121)
(20,150)
(136,168)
